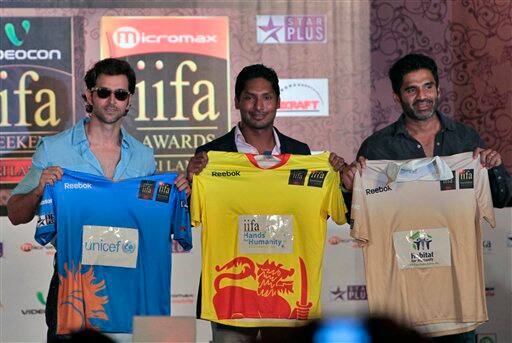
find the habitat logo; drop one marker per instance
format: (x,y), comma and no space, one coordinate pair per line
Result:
(420,240)
(422,248)
(286,29)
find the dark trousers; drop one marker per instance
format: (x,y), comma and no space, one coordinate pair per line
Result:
(50,311)
(232,334)
(465,337)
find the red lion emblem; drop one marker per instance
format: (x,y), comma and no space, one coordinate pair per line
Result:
(236,302)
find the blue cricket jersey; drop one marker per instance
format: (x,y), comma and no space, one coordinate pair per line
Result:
(114,247)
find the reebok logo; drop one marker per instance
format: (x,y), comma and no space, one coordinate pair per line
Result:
(226,173)
(77,185)
(377,190)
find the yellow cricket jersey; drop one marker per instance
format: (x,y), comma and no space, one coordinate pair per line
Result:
(263,236)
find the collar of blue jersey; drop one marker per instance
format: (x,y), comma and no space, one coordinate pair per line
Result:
(423,169)
(446,124)
(80,137)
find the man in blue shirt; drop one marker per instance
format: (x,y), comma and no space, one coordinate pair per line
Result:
(96,145)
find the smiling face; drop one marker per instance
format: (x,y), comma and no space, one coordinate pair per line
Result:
(258,104)
(419,95)
(109,110)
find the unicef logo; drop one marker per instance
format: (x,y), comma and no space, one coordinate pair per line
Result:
(126,37)
(129,247)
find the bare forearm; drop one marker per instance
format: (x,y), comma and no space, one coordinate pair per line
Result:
(21,208)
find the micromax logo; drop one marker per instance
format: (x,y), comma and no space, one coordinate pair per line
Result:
(78,185)
(128,37)
(377,190)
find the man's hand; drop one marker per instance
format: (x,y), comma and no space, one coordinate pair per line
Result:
(349,171)
(336,162)
(196,164)
(334,240)
(21,208)
(488,158)
(49,176)
(182,184)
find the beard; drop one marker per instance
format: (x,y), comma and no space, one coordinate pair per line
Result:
(102,115)
(248,121)
(421,115)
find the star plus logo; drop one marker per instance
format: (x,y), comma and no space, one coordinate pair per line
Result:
(10,32)
(279,29)
(270,30)
(351,293)
(337,294)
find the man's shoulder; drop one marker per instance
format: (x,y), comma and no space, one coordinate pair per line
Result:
(62,139)
(383,134)
(137,146)
(459,127)
(225,142)
(292,142)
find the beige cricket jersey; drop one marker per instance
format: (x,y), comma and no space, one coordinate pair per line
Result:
(419,224)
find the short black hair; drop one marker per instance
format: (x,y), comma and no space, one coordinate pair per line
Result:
(407,64)
(253,72)
(111,66)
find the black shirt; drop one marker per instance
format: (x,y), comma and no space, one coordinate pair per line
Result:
(395,143)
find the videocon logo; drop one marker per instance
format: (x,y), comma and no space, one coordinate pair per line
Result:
(420,240)
(41,298)
(10,32)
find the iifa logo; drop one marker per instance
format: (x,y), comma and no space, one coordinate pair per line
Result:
(10,32)
(77,185)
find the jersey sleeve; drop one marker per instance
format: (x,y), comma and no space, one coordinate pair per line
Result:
(335,205)
(46,227)
(31,179)
(180,222)
(196,203)
(359,223)
(483,195)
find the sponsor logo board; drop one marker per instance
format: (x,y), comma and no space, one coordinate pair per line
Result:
(36,75)
(304,97)
(290,29)
(182,96)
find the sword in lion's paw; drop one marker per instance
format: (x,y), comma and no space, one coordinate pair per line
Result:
(303,305)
